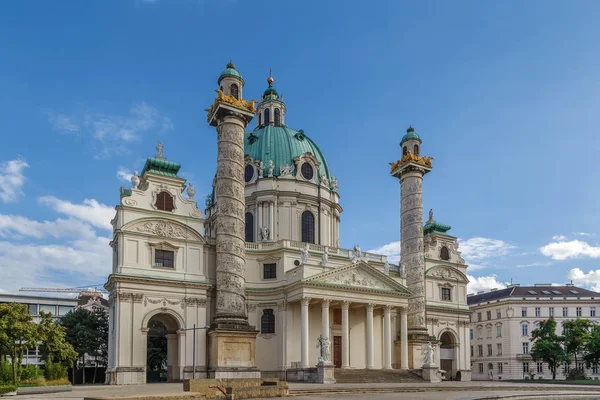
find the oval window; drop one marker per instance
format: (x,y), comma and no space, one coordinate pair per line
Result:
(248,173)
(307,171)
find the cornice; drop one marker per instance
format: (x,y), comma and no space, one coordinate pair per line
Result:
(121,278)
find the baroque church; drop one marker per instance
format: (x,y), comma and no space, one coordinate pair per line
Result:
(245,286)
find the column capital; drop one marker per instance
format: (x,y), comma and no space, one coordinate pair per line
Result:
(305,301)
(388,308)
(325,303)
(345,305)
(370,307)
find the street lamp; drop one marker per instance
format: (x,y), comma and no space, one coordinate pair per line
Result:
(194,346)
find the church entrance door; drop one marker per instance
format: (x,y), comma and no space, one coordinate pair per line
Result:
(337,351)
(162,361)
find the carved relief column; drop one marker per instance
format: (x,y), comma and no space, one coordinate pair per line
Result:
(345,335)
(370,363)
(387,337)
(325,318)
(403,339)
(304,333)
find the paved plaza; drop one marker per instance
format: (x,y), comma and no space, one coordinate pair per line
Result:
(409,391)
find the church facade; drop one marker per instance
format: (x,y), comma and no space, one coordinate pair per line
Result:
(174,273)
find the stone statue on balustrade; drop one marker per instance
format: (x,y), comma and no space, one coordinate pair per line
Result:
(356,254)
(324,344)
(271,168)
(264,233)
(261,169)
(386,268)
(325,257)
(427,351)
(304,255)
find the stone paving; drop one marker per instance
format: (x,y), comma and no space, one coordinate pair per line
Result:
(410,391)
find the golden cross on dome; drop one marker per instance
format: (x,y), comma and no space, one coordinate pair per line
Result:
(270,79)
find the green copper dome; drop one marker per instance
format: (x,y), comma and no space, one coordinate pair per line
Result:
(230,71)
(270,92)
(282,144)
(410,134)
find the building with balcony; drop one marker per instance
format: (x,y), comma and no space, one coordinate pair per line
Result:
(502,322)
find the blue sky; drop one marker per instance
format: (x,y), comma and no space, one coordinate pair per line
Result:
(505,96)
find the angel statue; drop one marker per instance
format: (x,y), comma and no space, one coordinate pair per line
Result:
(261,169)
(159,149)
(356,254)
(324,344)
(427,351)
(325,257)
(304,254)
(386,268)
(271,167)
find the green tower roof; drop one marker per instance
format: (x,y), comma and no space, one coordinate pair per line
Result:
(433,227)
(410,134)
(161,166)
(230,71)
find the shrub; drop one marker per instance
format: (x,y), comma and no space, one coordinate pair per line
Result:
(576,374)
(55,371)
(7,389)
(5,372)
(30,372)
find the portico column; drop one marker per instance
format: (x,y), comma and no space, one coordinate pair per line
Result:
(403,339)
(345,335)
(259,221)
(304,333)
(271,221)
(325,318)
(370,364)
(387,337)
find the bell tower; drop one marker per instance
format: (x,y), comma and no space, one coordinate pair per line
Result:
(410,170)
(232,341)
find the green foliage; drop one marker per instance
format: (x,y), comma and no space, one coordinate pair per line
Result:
(547,345)
(54,371)
(157,353)
(592,347)
(7,389)
(576,333)
(18,333)
(30,372)
(5,371)
(576,374)
(54,346)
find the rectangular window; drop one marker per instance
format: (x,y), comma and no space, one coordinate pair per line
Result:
(489,350)
(525,330)
(498,314)
(565,311)
(267,321)
(33,309)
(525,368)
(480,350)
(595,369)
(500,368)
(540,368)
(499,331)
(592,311)
(446,294)
(471,333)
(481,368)
(31,352)
(567,368)
(337,316)
(489,315)
(479,317)
(526,348)
(63,310)
(479,332)
(269,271)
(578,311)
(580,365)
(523,311)
(488,330)
(551,312)
(538,312)
(499,348)
(471,351)
(164,258)
(48,308)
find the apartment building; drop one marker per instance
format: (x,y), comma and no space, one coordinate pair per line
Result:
(502,322)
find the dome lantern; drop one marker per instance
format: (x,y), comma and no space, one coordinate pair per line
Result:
(231,82)
(271,110)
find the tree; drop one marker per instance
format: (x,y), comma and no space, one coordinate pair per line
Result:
(101,345)
(54,347)
(576,333)
(592,348)
(81,333)
(18,333)
(547,345)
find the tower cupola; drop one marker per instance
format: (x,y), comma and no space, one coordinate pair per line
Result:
(410,142)
(231,81)
(271,110)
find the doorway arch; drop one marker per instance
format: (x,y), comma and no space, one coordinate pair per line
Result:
(448,353)
(162,348)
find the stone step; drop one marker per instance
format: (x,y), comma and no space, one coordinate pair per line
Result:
(374,376)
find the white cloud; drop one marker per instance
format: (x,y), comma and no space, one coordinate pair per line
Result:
(559,238)
(391,250)
(99,215)
(590,280)
(534,264)
(112,134)
(19,227)
(571,249)
(124,174)
(12,179)
(480,248)
(483,283)
(582,233)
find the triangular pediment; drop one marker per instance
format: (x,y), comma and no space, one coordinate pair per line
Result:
(358,276)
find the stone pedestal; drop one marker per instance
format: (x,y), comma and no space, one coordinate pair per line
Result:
(416,341)
(325,372)
(431,373)
(232,353)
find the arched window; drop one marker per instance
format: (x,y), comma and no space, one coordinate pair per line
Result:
(491,366)
(235,91)
(164,202)
(249,227)
(267,321)
(404,151)
(259,119)
(416,149)
(444,253)
(308,227)
(267,116)
(248,173)
(277,117)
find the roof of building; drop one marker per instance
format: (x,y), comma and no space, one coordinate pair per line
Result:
(282,144)
(410,134)
(230,71)
(160,165)
(435,227)
(537,291)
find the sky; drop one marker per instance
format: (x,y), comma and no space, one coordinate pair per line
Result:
(505,96)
